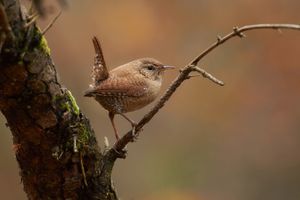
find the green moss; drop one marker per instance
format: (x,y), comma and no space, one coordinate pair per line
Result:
(83,136)
(39,42)
(67,103)
(73,103)
(44,45)
(61,102)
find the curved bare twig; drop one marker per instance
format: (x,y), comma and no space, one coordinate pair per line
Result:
(239,32)
(185,74)
(51,23)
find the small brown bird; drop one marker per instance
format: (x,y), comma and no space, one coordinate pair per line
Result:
(126,88)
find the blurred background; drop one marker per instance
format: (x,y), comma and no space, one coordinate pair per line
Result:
(238,142)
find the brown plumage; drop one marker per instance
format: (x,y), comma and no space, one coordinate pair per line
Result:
(128,87)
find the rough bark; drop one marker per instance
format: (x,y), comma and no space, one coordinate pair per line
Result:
(54,143)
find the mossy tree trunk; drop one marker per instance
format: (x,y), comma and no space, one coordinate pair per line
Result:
(54,143)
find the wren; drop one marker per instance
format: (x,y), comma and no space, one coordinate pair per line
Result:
(126,88)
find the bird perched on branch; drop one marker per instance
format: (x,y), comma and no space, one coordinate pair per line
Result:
(126,88)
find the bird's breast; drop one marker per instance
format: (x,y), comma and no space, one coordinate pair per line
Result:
(151,91)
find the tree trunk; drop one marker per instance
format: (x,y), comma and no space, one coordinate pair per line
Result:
(54,143)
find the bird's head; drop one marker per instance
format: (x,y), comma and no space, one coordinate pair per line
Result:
(151,68)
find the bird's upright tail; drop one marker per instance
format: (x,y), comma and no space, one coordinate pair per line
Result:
(100,71)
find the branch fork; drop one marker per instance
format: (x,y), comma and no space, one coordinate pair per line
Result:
(185,73)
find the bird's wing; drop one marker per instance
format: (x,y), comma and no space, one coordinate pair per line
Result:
(118,88)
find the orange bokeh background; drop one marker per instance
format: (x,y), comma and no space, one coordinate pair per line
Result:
(241,141)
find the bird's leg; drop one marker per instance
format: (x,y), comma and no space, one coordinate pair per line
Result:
(111,117)
(122,153)
(133,125)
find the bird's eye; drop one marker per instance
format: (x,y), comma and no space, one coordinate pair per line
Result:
(151,67)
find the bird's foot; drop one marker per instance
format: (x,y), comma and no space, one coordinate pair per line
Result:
(120,154)
(134,133)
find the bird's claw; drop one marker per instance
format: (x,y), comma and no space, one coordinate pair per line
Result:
(134,133)
(121,154)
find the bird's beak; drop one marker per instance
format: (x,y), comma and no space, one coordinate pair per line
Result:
(166,67)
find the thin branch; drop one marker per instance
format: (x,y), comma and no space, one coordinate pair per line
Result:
(238,32)
(30,17)
(4,24)
(83,170)
(51,23)
(32,20)
(184,75)
(207,75)
(5,29)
